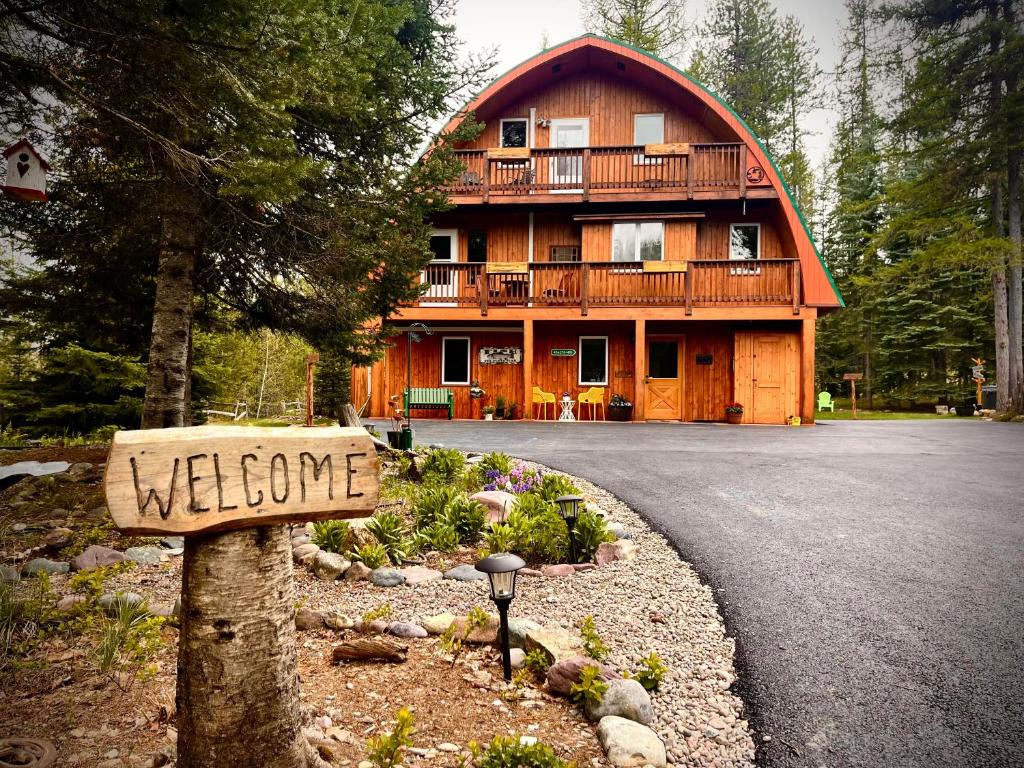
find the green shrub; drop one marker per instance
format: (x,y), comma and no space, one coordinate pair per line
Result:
(591,531)
(386,749)
(333,536)
(467,517)
(499,539)
(24,618)
(535,531)
(499,462)
(371,555)
(591,688)
(128,643)
(652,671)
(510,752)
(533,504)
(443,465)
(552,486)
(592,643)
(432,505)
(380,612)
(440,537)
(388,528)
(537,662)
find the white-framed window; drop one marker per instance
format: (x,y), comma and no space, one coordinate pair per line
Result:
(455,360)
(745,241)
(638,241)
(444,245)
(648,129)
(593,361)
(514,131)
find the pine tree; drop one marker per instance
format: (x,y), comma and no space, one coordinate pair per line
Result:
(658,26)
(801,78)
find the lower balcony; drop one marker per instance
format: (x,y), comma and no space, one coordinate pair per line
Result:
(583,285)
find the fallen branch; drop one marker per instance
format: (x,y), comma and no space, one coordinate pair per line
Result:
(369,649)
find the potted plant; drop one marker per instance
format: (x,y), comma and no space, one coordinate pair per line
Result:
(499,412)
(488,413)
(734,413)
(620,409)
(510,409)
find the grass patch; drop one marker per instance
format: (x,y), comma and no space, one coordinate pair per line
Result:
(841,414)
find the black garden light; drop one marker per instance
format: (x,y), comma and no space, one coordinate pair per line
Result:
(569,508)
(501,570)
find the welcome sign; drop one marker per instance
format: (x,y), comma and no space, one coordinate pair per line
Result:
(216,478)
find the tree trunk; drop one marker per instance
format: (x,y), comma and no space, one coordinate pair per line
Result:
(169,370)
(1000,296)
(1014,288)
(238,691)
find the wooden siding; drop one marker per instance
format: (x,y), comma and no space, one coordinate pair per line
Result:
(713,234)
(553,229)
(707,388)
(767,375)
(609,104)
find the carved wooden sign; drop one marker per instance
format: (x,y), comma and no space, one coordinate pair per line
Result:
(216,478)
(501,355)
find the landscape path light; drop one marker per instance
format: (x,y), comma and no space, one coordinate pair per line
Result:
(569,508)
(501,570)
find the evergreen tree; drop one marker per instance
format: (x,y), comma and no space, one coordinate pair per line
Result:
(658,26)
(801,79)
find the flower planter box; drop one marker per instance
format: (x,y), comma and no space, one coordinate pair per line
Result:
(734,418)
(620,412)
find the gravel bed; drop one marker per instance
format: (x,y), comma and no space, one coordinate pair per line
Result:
(652,603)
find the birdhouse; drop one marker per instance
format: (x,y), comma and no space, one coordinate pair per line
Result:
(26,172)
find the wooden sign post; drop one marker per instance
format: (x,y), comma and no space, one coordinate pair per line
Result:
(229,490)
(311,360)
(853,378)
(978,372)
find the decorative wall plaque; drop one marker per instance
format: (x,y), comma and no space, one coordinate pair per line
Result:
(501,355)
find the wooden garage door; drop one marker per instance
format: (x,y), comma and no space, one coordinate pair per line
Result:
(766,376)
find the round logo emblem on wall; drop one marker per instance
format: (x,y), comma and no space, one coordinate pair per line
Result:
(755,175)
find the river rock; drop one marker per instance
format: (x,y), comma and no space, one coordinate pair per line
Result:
(406,629)
(465,573)
(358,571)
(518,657)
(338,621)
(112,602)
(481,635)
(619,531)
(498,504)
(304,554)
(97,556)
(517,629)
(562,675)
(629,744)
(438,625)
(9,573)
(42,565)
(624,698)
(329,565)
(562,569)
(387,577)
(556,643)
(610,551)
(144,555)
(69,603)
(307,618)
(417,574)
(173,542)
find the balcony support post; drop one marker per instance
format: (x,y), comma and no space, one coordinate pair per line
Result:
(639,369)
(485,290)
(586,174)
(584,287)
(688,288)
(528,369)
(689,174)
(487,177)
(796,287)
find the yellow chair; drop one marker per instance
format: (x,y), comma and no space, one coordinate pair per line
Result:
(593,397)
(542,398)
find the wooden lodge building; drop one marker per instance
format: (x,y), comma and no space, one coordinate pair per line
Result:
(616,226)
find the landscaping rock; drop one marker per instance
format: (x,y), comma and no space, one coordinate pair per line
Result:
(70,602)
(624,698)
(619,531)
(562,675)
(112,602)
(144,555)
(299,539)
(387,577)
(417,574)
(629,744)
(338,621)
(517,629)
(529,572)
(438,625)
(9,573)
(18,528)
(80,468)
(358,572)
(498,503)
(173,542)
(608,552)
(481,635)
(42,565)
(562,569)
(556,643)
(465,573)
(406,629)
(96,556)
(303,555)
(584,567)
(307,618)
(329,565)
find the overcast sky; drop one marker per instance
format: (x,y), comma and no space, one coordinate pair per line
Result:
(516,29)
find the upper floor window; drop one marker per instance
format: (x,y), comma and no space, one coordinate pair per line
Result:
(649,129)
(638,241)
(514,132)
(744,241)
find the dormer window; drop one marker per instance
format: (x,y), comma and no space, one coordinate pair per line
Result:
(745,241)
(648,129)
(514,132)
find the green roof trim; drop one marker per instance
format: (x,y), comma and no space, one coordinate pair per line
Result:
(720,100)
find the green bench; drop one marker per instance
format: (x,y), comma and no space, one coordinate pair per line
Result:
(429,398)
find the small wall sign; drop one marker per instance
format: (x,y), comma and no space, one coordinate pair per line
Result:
(501,355)
(705,359)
(563,353)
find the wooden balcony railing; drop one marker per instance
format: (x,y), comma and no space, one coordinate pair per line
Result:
(704,283)
(595,171)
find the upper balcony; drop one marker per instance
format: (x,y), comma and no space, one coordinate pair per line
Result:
(605,174)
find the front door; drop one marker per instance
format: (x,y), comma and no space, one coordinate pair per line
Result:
(664,378)
(766,376)
(567,167)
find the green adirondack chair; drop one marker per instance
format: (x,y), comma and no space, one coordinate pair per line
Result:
(825,402)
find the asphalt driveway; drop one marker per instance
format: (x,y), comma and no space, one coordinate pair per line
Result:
(872,572)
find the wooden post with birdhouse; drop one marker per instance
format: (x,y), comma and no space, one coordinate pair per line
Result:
(853,378)
(26,173)
(978,373)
